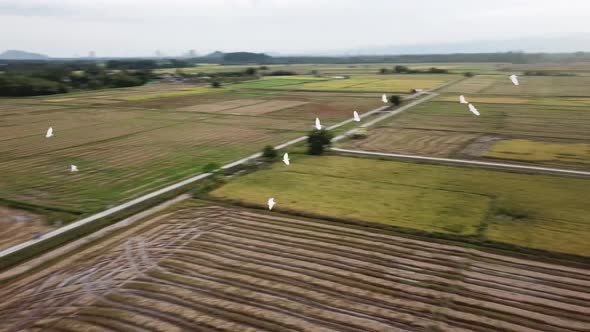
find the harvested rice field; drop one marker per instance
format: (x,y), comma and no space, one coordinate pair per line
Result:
(213,268)
(133,146)
(552,131)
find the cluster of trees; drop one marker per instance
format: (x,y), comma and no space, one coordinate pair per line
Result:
(20,86)
(545,73)
(247,74)
(507,57)
(45,78)
(281,73)
(399,69)
(317,143)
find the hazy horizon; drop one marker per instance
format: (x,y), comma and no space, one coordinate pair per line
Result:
(139,28)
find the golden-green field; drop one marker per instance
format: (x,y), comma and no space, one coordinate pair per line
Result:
(534,211)
(520,149)
(541,86)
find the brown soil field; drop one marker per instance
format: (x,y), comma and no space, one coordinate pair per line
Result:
(220,106)
(18,226)
(413,141)
(243,106)
(265,107)
(228,269)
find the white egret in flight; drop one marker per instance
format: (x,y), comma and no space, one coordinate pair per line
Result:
(473,109)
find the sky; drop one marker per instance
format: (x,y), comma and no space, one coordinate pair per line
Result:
(65,28)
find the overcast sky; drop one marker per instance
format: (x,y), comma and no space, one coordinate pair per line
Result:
(140,27)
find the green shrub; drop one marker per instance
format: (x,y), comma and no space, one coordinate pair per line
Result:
(395,100)
(317,141)
(269,152)
(211,167)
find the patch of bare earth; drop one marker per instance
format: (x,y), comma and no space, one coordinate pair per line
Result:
(265,107)
(220,106)
(412,141)
(17,226)
(480,146)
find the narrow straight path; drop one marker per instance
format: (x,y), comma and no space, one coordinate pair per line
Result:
(560,171)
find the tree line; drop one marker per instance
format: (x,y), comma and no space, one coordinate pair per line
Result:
(399,69)
(19,79)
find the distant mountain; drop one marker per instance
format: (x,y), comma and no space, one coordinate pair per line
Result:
(215,55)
(544,44)
(21,55)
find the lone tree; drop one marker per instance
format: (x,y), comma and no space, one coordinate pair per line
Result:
(468,74)
(317,141)
(395,100)
(250,71)
(400,69)
(269,152)
(215,84)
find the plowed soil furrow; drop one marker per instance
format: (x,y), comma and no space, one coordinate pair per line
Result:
(135,320)
(273,317)
(272,301)
(214,309)
(334,287)
(534,288)
(560,282)
(231,269)
(342,304)
(68,324)
(458,286)
(460,302)
(159,310)
(329,227)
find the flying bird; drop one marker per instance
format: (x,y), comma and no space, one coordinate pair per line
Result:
(356,116)
(73,168)
(514,79)
(462,99)
(473,109)
(286,159)
(49,132)
(318,126)
(271,203)
(384,98)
